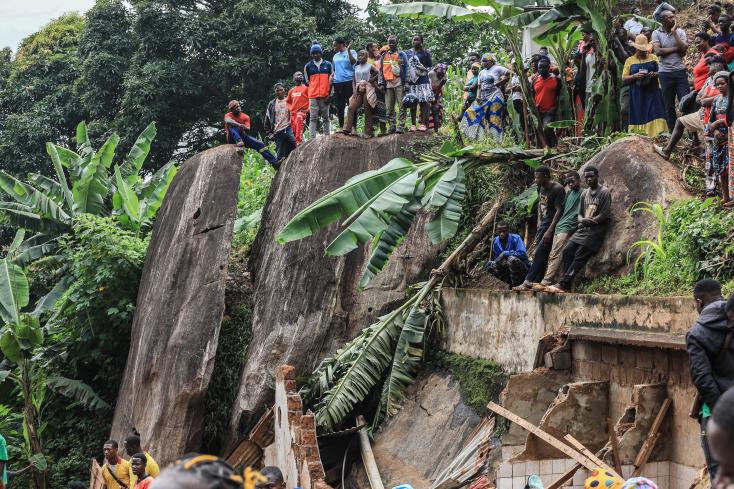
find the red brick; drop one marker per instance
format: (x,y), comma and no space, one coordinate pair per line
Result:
(308,438)
(285,372)
(609,354)
(643,358)
(308,421)
(294,403)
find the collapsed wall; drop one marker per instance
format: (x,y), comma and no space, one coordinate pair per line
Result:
(306,304)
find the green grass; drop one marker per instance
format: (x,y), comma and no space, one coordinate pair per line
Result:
(480,380)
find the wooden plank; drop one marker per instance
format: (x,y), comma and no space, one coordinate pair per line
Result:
(368,458)
(615,446)
(549,439)
(581,448)
(558,483)
(652,438)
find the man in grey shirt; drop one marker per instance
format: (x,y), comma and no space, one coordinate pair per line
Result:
(670,45)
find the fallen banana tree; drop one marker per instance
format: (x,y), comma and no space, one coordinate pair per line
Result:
(388,352)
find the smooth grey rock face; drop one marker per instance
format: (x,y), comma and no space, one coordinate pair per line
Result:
(179,308)
(634,172)
(306,304)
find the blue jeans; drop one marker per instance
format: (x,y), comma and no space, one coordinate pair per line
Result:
(673,84)
(252,143)
(285,142)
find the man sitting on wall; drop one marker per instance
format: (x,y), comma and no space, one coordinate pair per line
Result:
(509,260)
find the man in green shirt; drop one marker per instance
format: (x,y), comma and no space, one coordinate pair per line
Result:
(3,462)
(564,229)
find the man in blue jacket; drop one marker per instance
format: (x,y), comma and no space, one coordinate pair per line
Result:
(509,260)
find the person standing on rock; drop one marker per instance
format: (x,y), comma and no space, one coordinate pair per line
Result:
(278,124)
(546,89)
(318,73)
(364,96)
(237,130)
(143,479)
(297,100)
(116,471)
(392,79)
(564,230)
(670,46)
(344,60)
(132,447)
(419,64)
(509,259)
(550,210)
(710,356)
(595,213)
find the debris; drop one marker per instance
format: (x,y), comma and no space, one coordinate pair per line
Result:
(470,460)
(249,451)
(652,438)
(551,440)
(615,446)
(599,463)
(368,458)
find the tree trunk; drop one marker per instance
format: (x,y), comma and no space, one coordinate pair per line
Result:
(30,417)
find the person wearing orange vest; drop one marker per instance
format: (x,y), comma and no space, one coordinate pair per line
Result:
(392,79)
(318,73)
(297,100)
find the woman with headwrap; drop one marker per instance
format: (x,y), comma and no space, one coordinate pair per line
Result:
(438,79)
(717,133)
(484,117)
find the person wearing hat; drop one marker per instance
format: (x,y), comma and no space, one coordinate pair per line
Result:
(237,131)
(297,100)
(640,73)
(317,73)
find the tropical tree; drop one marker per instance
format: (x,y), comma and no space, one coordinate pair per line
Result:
(379,207)
(47,206)
(21,338)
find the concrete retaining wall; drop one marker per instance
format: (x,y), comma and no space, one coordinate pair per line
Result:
(505,326)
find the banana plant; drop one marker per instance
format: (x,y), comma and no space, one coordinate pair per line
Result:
(47,206)
(380,206)
(21,341)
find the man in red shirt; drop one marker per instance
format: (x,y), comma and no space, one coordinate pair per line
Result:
(237,128)
(137,463)
(546,88)
(297,100)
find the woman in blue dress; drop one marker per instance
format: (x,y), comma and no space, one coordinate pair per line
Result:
(419,64)
(647,111)
(484,117)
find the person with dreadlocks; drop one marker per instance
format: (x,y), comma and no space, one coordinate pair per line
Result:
(143,480)
(194,471)
(237,131)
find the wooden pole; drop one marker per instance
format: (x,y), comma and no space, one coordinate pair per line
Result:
(581,448)
(652,438)
(368,458)
(615,446)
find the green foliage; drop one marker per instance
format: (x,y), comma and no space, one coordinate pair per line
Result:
(255,181)
(234,338)
(481,381)
(695,242)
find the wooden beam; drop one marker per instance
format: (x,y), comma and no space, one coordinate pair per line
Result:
(558,483)
(652,438)
(599,462)
(549,439)
(368,458)
(615,446)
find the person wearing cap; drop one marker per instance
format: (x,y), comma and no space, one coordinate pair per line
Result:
(237,129)
(297,100)
(640,73)
(278,124)
(392,79)
(317,74)
(344,60)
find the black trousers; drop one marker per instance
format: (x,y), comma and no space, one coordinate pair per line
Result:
(712,464)
(511,271)
(575,257)
(342,92)
(540,260)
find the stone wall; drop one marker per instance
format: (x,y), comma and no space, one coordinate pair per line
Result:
(505,326)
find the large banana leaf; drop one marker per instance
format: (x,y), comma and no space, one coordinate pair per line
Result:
(14,292)
(449,194)
(344,201)
(375,215)
(31,197)
(34,248)
(127,198)
(79,391)
(107,152)
(389,239)
(404,367)
(91,188)
(152,193)
(137,154)
(22,216)
(51,188)
(70,160)
(434,9)
(558,14)
(369,356)
(48,301)
(83,145)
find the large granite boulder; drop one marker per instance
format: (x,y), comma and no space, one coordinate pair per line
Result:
(634,172)
(179,307)
(306,304)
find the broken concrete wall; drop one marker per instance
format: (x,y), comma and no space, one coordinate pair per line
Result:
(528,395)
(505,326)
(641,413)
(581,410)
(625,367)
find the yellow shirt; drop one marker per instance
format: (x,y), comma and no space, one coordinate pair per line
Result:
(122,471)
(151,468)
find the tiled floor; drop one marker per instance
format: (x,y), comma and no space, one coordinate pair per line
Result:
(667,475)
